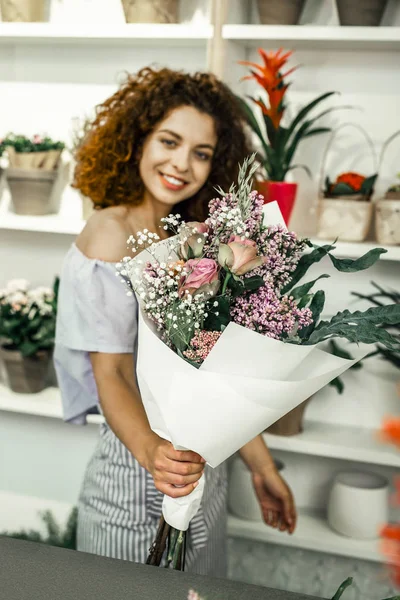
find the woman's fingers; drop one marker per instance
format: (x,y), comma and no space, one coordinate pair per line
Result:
(183,468)
(183,455)
(173,491)
(181,480)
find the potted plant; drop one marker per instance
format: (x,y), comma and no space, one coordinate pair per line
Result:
(23,10)
(27,331)
(279,142)
(363,13)
(34,168)
(345,208)
(150,11)
(280,12)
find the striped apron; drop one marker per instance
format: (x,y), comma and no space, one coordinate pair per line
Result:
(119,509)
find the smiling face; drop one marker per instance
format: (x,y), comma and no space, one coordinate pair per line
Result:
(177,156)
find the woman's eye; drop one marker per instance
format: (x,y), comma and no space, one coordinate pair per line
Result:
(203,156)
(169,143)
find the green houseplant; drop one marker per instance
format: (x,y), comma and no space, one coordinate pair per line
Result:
(34,167)
(27,331)
(279,142)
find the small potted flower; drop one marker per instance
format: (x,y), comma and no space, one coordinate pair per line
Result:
(345,208)
(27,330)
(34,168)
(279,137)
(387,216)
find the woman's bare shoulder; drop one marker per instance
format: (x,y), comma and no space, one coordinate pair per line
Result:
(105,235)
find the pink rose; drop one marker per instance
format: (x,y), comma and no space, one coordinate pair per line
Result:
(197,227)
(200,276)
(239,256)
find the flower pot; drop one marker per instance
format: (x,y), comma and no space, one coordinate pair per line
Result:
(344,219)
(23,10)
(281,191)
(280,12)
(32,191)
(364,13)
(387,220)
(150,11)
(358,504)
(242,499)
(291,423)
(26,374)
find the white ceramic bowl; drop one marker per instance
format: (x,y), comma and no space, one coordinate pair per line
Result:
(358,504)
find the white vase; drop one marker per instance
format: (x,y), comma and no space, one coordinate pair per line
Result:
(358,504)
(344,219)
(242,499)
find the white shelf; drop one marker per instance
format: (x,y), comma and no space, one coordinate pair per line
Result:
(337,441)
(357,249)
(312,533)
(43,404)
(310,36)
(152,34)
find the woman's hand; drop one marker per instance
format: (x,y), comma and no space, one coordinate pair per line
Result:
(175,472)
(276,499)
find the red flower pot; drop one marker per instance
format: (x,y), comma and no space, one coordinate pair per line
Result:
(281,191)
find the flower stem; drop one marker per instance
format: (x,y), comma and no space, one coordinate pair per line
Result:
(227,278)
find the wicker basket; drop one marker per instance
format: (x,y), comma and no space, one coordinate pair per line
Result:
(26,375)
(346,218)
(150,11)
(27,11)
(364,13)
(280,12)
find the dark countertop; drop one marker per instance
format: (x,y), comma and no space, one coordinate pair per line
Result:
(30,571)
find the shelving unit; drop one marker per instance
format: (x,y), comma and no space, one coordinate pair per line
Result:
(357,444)
(310,36)
(126,34)
(43,404)
(312,533)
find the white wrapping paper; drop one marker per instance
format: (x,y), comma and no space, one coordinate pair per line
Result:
(247,382)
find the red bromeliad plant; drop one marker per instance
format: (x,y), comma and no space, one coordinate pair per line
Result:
(280,142)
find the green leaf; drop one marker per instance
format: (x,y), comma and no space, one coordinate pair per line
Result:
(253,283)
(342,189)
(342,588)
(301,290)
(317,131)
(216,322)
(305,262)
(306,109)
(368,185)
(316,307)
(252,121)
(348,265)
(338,384)
(361,326)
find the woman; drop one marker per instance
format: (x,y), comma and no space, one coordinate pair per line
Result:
(160,144)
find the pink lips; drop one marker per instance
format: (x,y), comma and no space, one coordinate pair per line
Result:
(170,185)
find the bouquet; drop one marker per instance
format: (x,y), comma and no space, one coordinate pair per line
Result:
(223,309)
(27,317)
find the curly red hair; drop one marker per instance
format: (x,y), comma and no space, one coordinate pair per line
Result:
(108,158)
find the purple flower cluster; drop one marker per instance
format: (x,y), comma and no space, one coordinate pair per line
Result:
(267,313)
(282,251)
